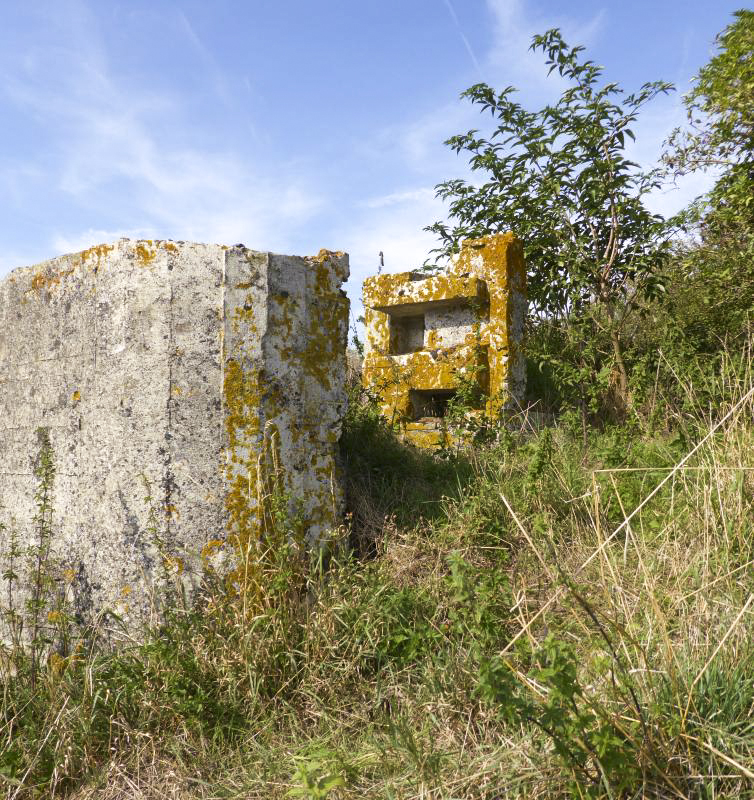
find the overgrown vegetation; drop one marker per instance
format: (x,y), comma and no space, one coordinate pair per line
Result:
(561,179)
(533,635)
(559,611)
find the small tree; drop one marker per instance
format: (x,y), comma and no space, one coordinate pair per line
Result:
(720,106)
(715,282)
(561,180)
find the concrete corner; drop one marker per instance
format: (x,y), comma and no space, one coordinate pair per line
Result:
(183,386)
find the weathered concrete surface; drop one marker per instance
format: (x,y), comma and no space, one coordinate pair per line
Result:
(213,375)
(427,334)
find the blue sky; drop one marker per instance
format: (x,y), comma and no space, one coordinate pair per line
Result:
(289,125)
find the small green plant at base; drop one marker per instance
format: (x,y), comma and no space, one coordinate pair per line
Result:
(10,614)
(316,777)
(480,603)
(38,555)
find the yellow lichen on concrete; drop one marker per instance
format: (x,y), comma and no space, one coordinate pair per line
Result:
(241,398)
(500,259)
(389,291)
(145,252)
(47,280)
(323,341)
(216,374)
(469,320)
(428,438)
(51,275)
(50,278)
(96,253)
(284,354)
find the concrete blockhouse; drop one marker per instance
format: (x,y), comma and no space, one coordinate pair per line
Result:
(428,334)
(182,386)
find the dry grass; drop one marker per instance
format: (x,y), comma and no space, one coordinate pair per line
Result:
(143,776)
(372,676)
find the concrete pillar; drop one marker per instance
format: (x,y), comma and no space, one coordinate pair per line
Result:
(204,377)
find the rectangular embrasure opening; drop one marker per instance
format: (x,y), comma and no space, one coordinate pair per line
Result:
(430,403)
(406,334)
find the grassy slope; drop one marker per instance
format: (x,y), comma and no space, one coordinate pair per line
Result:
(499,631)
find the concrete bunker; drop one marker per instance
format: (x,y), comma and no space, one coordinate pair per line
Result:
(201,376)
(429,333)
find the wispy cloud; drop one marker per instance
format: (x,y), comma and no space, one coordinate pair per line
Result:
(464,38)
(511,61)
(208,61)
(423,194)
(395,228)
(82,240)
(125,153)
(507,61)
(394,222)
(652,130)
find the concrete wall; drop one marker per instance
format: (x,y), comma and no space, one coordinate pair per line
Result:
(213,375)
(473,319)
(449,327)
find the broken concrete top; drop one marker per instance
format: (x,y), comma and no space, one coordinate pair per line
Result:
(404,293)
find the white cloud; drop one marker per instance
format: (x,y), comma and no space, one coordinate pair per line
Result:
(420,141)
(397,198)
(654,125)
(395,229)
(12,260)
(393,223)
(209,63)
(128,157)
(83,240)
(515,24)
(126,152)
(511,62)
(415,147)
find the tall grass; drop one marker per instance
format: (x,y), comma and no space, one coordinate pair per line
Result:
(535,618)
